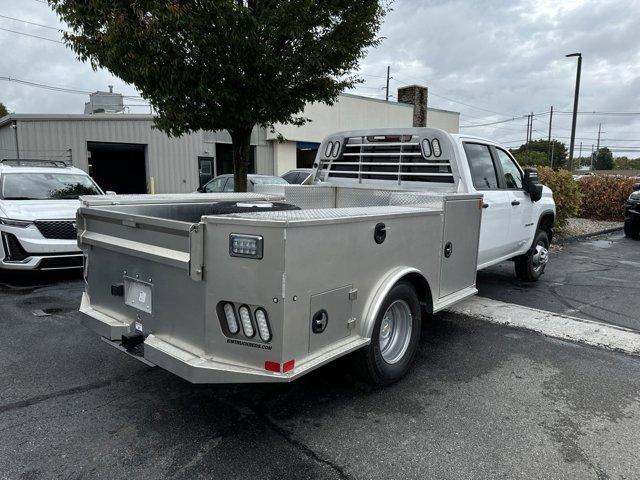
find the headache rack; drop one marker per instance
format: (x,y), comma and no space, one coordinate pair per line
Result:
(396,158)
(34,162)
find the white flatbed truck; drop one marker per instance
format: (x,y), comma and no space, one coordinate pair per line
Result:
(267,286)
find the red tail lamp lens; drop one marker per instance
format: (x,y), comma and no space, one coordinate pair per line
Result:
(288,366)
(272,366)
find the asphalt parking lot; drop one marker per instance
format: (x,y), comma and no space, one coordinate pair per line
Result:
(483,401)
(597,279)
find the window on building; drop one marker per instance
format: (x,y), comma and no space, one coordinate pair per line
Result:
(483,170)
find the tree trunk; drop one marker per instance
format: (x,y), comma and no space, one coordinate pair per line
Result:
(241,143)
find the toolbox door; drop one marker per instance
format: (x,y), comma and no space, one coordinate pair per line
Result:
(459,245)
(329,317)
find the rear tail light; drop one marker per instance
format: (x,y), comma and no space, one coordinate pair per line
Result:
(435,144)
(336,149)
(328,149)
(230,315)
(263,325)
(245,318)
(426,148)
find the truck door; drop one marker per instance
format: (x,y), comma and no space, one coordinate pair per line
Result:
(522,221)
(496,212)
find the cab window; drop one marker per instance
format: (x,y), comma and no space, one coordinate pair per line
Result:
(512,174)
(483,170)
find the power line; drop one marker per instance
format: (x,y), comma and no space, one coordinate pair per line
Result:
(31,35)
(494,123)
(603,113)
(33,23)
(54,88)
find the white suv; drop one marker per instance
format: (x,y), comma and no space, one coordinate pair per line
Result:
(38,203)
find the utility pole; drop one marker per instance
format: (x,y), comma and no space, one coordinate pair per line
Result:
(575,108)
(599,130)
(549,141)
(531,128)
(592,155)
(526,142)
(580,156)
(387,89)
(552,145)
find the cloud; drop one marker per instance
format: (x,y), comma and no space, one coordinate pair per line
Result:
(504,57)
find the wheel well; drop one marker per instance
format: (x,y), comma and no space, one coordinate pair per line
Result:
(546,223)
(422,289)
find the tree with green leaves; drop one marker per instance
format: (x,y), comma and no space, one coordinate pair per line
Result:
(603,159)
(542,146)
(531,158)
(626,163)
(3,110)
(226,64)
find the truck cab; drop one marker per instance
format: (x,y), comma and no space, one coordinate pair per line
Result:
(511,218)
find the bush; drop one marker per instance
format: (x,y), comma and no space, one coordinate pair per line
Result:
(566,193)
(604,196)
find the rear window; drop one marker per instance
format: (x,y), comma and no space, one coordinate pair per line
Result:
(483,170)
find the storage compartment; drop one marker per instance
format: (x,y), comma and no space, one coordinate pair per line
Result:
(459,245)
(329,317)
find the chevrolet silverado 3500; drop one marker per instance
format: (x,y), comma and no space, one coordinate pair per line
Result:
(269,285)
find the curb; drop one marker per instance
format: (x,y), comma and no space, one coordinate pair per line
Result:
(579,238)
(554,325)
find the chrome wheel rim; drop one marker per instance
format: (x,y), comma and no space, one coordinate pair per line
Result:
(540,256)
(395,331)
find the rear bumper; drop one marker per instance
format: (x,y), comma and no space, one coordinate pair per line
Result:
(197,369)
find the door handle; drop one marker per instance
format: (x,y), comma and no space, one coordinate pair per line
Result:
(515,203)
(485,205)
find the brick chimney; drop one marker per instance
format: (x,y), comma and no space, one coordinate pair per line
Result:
(417,96)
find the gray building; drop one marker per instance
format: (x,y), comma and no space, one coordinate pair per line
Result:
(125,153)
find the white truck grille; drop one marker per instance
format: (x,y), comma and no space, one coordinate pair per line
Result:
(393,158)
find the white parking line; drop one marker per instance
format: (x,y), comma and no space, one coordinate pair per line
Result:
(552,324)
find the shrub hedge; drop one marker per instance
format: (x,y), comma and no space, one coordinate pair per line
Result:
(604,196)
(566,193)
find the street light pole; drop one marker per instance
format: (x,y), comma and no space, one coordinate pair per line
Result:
(575,108)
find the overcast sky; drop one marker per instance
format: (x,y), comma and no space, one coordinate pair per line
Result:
(490,60)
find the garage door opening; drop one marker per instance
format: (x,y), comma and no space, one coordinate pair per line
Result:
(120,167)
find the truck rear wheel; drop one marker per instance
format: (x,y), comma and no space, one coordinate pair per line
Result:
(531,265)
(395,337)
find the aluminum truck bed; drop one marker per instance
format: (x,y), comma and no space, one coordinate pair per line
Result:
(265,287)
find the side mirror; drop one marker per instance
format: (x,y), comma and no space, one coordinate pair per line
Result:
(531,184)
(636,187)
(110,192)
(200,190)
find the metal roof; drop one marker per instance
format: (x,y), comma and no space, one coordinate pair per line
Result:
(36,117)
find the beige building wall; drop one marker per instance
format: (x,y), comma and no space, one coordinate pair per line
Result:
(444,120)
(285,156)
(350,112)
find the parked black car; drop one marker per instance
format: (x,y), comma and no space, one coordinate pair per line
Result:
(632,214)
